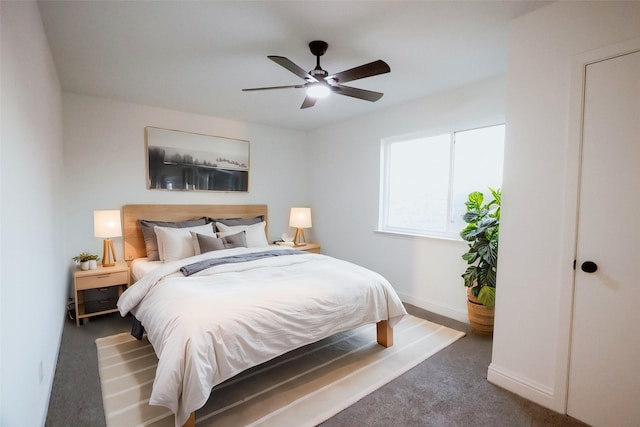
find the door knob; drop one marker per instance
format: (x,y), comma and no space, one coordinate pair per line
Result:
(589,267)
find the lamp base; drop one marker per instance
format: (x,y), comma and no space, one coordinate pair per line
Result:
(300,234)
(108,252)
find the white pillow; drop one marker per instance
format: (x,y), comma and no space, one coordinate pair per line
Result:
(256,237)
(176,243)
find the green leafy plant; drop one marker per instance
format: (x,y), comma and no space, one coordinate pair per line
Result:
(84,256)
(481,234)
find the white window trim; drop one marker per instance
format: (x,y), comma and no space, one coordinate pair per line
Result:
(413,234)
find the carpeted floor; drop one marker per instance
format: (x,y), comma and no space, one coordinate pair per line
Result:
(448,389)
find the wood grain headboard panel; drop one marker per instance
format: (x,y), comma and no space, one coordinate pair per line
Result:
(131,214)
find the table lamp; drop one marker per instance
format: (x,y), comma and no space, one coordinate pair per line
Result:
(106,224)
(300,218)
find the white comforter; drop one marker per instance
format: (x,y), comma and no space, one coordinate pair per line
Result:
(210,326)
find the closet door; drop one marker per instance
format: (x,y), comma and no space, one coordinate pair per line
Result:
(604,371)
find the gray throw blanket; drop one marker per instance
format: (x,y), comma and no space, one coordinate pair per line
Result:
(190,269)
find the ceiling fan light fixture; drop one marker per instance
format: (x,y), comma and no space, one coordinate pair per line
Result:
(318,90)
(319,84)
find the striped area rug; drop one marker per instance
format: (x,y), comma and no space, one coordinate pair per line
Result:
(303,388)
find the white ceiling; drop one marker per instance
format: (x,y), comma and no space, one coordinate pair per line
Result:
(196,56)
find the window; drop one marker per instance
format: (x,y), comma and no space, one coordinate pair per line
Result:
(426,178)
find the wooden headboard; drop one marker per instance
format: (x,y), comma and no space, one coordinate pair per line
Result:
(131,214)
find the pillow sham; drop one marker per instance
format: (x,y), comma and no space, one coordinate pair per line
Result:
(149,234)
(176,243)
(256,236)
(232,222)
(204,243)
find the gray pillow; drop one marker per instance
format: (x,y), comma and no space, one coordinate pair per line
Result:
(203,243)
(149,234)
(231,222)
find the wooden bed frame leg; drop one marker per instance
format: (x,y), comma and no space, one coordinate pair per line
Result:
(191,422)
(384,333)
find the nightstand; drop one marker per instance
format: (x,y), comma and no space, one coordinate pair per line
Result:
(97,291)
(309,247)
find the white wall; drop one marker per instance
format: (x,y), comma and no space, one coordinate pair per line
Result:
(535,278)
(33,277)
(345,177)
(104,157)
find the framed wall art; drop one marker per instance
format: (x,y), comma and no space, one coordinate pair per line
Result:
(185,161)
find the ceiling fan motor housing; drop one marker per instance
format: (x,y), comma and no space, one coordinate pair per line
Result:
(318,74)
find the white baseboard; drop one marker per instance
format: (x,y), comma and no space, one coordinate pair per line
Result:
(536,392)
(441,309)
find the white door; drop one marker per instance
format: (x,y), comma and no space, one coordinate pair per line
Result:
(604,371)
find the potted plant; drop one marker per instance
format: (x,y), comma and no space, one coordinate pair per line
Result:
(87,261)
(481,234)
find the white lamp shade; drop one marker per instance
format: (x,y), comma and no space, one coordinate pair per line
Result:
(300,218)
(106,224)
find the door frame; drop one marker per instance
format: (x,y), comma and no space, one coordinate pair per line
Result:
(572,188)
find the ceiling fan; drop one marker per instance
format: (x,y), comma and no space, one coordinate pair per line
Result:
(319,83)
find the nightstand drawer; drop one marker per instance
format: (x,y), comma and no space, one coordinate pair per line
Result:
(102,280)
(310,247)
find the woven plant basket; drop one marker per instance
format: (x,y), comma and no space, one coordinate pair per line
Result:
(480,316)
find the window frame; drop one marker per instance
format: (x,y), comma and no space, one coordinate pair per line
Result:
(385,166)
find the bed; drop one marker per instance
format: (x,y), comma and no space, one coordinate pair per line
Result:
(211,314)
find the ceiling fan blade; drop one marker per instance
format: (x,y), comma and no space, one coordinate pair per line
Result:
(367,95)
(274,87)
(286,63)
(308,102)
(367,70)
